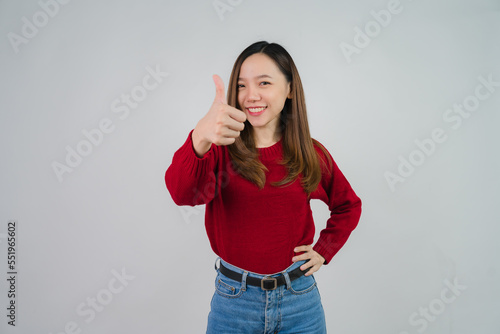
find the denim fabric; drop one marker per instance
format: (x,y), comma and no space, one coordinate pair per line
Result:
(240,308)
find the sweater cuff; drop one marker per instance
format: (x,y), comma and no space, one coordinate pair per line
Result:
(199,165)
(326,249)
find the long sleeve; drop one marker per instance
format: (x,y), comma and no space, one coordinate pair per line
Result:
(190,179)
(345,211)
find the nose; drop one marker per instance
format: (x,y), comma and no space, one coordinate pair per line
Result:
(253,94)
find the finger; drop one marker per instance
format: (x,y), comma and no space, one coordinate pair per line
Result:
(312,268)
(301,257)
(237,114)
(224,141)
(303,248)
(310,263)
(220,95)
(229,133)
(311,271)
(235,125)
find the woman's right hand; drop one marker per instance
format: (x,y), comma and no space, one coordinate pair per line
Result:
(221,125)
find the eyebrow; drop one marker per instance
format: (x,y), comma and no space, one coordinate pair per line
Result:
(257,77)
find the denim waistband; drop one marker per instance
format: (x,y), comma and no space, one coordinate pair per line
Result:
(253,274)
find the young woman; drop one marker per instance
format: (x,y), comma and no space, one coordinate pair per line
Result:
(252,161)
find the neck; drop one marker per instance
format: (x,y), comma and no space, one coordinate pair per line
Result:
(265,137)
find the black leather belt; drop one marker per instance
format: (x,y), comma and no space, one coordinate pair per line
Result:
(266,283)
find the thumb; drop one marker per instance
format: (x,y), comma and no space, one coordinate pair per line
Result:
(220,95)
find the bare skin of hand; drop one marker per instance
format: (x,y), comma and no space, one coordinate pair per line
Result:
(315,262)
(221,125)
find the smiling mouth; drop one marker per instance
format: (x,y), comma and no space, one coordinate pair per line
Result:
(256,111)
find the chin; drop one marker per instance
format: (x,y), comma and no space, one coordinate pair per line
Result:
(257,124)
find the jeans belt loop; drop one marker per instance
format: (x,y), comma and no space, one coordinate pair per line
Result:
(287,279)
(244,281)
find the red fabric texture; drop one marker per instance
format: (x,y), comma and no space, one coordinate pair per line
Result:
(258,229)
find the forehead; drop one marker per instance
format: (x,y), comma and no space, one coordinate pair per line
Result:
(257,66)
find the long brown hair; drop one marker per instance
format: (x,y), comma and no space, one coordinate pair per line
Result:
(299,154)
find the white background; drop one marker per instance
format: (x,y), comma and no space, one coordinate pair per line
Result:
(113,212)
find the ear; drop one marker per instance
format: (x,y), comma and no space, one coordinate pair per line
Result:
(290,94)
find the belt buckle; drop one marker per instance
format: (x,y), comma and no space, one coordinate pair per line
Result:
(268,279)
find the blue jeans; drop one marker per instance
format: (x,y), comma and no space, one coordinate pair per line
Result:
(237,307)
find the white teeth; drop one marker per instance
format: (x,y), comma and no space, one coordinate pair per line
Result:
(256,109)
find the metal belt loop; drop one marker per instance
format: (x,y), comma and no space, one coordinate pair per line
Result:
(215,264)
(244,281)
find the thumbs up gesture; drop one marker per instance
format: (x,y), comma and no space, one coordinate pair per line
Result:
(221,125)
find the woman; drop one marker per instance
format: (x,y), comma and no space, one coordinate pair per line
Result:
(252,161)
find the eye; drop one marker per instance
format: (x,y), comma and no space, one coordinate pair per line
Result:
(239,86)
(265,82)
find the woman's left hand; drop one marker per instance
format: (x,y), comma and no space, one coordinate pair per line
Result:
(315,262)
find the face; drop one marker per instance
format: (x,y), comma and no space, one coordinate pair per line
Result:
(262,91)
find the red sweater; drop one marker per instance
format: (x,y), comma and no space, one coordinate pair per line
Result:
(257,229)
